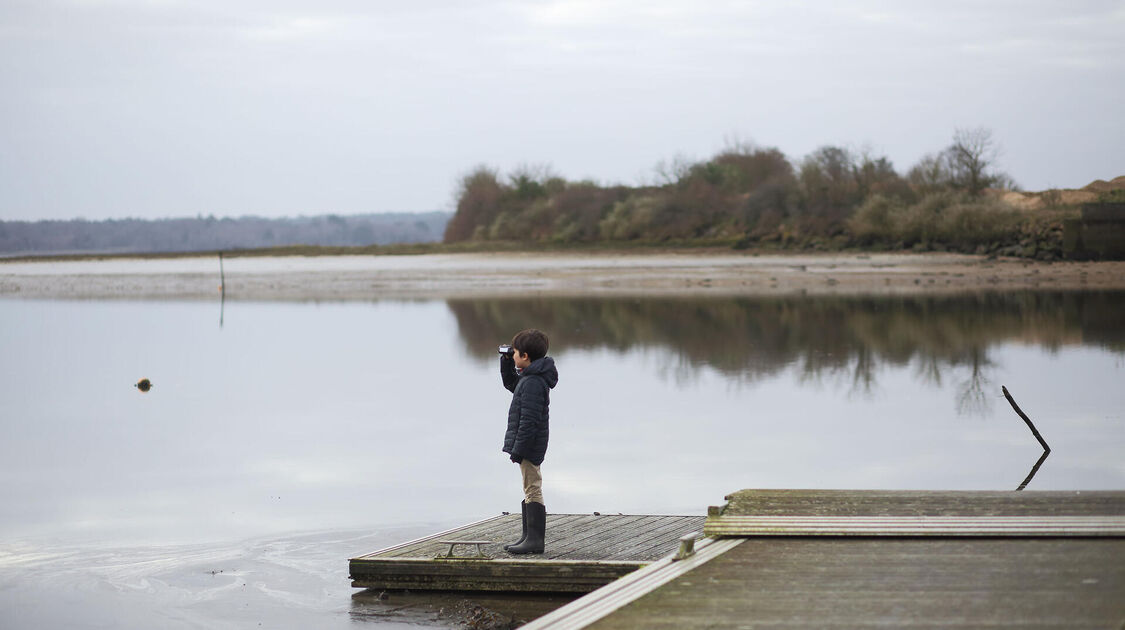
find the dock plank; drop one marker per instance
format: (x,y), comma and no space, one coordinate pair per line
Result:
(606,532)
(626,542)
(429,546)
(394,549)
(499,528)
(583,540)
(583,553)
(944,526)
(921,503)
(667,536)
(867,558)
(613,538)
(803,583)
(564,532)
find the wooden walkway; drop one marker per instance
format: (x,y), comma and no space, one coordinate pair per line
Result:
(583,552)
(802,559)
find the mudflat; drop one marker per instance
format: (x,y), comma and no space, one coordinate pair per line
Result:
(554,273)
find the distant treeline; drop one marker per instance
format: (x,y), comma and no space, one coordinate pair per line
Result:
(210,233)
(750,196)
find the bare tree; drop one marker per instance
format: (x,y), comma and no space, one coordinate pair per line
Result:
(931,173)
(971,158)
(671,172)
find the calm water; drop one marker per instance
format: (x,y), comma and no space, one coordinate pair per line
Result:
(298,434)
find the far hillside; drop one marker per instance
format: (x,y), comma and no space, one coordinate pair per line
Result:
(140,236)
(749,196)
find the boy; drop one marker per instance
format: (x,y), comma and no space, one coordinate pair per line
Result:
(529,374)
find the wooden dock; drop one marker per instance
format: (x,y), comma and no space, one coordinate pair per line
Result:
(801,559)
(583,552)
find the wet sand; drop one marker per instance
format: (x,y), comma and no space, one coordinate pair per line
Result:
(453,275)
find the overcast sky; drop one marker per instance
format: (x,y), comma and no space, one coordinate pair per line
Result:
(158,108)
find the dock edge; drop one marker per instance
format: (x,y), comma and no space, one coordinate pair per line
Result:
(602,602)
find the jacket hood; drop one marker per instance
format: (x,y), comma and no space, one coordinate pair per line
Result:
(544,367)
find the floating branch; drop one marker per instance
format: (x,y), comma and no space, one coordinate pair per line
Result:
(1035,432)
(1023,415)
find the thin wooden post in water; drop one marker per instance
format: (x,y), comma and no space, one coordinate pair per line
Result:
(222,290)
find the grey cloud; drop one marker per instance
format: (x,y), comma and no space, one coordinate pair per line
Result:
(282,108)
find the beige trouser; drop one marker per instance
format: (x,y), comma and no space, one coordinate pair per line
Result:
(532,482)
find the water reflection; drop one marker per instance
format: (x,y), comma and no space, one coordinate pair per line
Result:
(848,337)
(292,411)
(387,416)
(1034,469)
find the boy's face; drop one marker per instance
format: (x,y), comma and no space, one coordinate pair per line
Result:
(521,359)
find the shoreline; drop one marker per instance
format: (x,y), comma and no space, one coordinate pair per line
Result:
(666,273)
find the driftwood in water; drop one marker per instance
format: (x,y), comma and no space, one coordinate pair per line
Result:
(1035,432)
(1023,415)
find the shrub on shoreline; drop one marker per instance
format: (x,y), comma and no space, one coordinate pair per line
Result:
(944,218)
(754,196)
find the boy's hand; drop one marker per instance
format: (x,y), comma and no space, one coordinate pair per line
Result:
(508,373)
(517,459)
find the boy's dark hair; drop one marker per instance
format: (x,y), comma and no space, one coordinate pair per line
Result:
(532,342)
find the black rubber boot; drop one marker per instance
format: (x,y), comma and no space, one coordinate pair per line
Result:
(536,530)
(523,508)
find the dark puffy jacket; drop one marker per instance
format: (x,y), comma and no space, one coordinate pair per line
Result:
(528,429)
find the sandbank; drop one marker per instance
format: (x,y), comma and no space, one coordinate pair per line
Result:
(554,273)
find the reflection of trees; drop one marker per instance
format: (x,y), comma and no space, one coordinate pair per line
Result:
(754,337)
(863,374)
(971,399)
